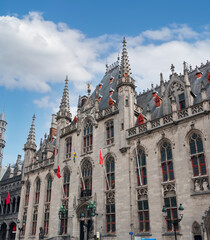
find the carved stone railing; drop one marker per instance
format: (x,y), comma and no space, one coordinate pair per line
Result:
(37,165)
(107,112)
(171,118)
(69,129)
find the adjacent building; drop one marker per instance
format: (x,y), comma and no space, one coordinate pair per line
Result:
(129,155)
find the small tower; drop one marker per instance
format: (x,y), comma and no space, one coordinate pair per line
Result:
(64,110)
(30,145)
(126,94)
(3,125)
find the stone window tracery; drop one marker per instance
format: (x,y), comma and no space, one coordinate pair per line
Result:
(141,168)
(88,137)
(86,183)
(110,132)
(170,204)
(49,189)
(167,162)
(27,194)
(37,193)
(34,222)
(68,147)
(66,183)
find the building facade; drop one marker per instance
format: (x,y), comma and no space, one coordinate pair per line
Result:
(10,188)
(155,150)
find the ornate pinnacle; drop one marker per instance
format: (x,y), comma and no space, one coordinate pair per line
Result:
(64,106)
(172,69)
(31,135)
(125,66)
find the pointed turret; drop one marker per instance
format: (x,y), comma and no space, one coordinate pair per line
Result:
(64,110)
(125,66)
(124,72)
(162,85)
(186,76)
(30,144)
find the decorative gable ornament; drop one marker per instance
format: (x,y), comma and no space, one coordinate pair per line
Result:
(99,98)
(100,86)
(157,101)
(111,101)
(111,91)
(75,119)
(208,77)
(111,79)
(198,73)
(140,119)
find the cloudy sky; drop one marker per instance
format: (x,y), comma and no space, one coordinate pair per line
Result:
(43,41)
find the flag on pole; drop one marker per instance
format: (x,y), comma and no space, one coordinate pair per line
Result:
(58,172)
(75,156)
(7,199)
(101,158)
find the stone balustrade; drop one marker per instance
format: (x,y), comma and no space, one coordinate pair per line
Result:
(171,118)
(107,112)
(69,129)
(37,165)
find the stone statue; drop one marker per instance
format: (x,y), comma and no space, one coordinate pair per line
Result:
(197,186)
(41,233)
(205,185)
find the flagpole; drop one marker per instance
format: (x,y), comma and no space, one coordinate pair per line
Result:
(83,183)
(106,177)
(140,181)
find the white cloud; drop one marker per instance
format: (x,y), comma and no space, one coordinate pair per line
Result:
(36,53)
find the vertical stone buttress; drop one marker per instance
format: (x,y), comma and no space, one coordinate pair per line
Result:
(3,125)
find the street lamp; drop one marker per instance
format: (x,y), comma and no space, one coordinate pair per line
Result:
(91,208)
(176,221)
(62,214)
(21,229)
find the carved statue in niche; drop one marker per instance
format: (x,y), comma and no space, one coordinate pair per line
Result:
(197,186)
(205,185)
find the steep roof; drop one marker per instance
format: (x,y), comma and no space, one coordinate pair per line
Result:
(144,99)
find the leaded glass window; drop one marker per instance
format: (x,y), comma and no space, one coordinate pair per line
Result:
(141,168)
(166,162)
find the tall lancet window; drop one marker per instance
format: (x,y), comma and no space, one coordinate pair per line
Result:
(110,196)
(88,137)
(141,169)
(66,183)
(197,155)
(37,193)
(49,188)
(86,179)
(167,162)
(27,194)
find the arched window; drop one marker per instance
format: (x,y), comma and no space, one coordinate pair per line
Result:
(34,222)
(110,171)
(141,168)
(88,136)
(27,194)
(166,162)
(110,196)
(197,155)
(172,213)
(49,188)
(86,179)
(37,194)
(66,183)
(46,221)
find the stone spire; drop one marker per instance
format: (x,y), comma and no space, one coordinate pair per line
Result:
(125,78)
(64,110)
(186,76)
(64,106)
(125,66)
(30,144)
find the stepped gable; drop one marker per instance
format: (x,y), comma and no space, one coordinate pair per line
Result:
(104,91)
(144,99)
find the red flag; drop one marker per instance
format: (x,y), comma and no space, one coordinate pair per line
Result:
(101,158)
(58,172)
(7,199)
(14,229)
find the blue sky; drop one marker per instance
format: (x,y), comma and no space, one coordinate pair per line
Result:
(43,41)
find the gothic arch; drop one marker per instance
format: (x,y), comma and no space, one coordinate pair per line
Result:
(67,168)
(196,228)
(89,118)
(49,174)
(110,154)
(137,147)
(89,159)
(36,180)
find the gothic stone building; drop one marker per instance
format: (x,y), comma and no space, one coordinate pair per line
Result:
(156,153)
(10,185)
